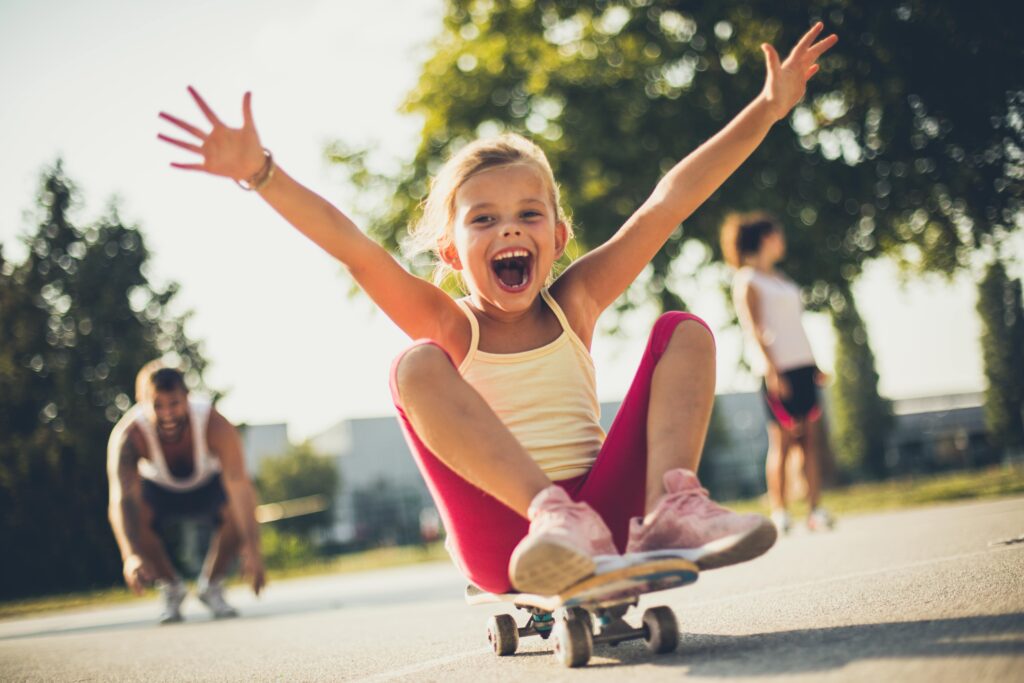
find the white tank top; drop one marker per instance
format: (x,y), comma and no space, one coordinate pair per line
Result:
(547,396)
(780,311)
(155,467)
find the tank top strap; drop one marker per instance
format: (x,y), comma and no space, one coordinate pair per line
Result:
(562,320)
(200,414)
(156,463)
(474,339)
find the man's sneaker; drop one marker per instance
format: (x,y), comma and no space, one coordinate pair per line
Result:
(780,518)
(567,542)
(687,519)
(820,520)
(211,593)
(173,594)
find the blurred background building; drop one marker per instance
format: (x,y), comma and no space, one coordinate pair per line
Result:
(382,499)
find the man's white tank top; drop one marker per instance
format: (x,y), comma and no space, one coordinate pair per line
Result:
(547,397)
(782,328)
(155,467)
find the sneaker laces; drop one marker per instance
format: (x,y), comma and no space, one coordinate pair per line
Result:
(696,501)
(555,514)
(553,510)
(686,496)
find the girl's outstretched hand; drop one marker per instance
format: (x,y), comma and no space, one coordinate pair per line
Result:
(786,82)
(230,152)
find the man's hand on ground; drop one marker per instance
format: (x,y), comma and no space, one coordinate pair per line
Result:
(252,569)
(137,574)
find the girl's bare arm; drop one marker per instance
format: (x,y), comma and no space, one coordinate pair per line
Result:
(598,278)
(418,307)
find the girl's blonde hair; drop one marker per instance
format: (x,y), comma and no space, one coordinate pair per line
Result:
(436,227)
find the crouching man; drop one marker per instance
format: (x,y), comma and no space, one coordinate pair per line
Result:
(172,457)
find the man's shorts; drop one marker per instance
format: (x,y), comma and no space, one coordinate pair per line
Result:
(201,504)
(802,402)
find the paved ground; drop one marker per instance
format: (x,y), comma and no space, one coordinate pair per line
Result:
(923,595)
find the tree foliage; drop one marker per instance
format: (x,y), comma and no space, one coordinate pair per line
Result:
(1002,319)
(861,418)
(911,142)
(78,318)
(299,473)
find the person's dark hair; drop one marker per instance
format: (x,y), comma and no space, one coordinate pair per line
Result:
(158,377)
(743,233)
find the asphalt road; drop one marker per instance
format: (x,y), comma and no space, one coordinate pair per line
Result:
(929,595)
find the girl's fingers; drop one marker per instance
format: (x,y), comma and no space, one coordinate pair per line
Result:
(809,37)
(207,112)
(810,72)
(822,47)
(188,167)
(247,110)
(181,143)
(771,58)
(188,127)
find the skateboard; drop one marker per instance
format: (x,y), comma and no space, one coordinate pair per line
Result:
(592,611)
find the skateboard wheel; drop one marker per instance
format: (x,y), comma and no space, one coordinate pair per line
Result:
(572,642)
(581,615)
(503,634)
(661,633)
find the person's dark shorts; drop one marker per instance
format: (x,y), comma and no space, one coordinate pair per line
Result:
(202,504)
(802,402)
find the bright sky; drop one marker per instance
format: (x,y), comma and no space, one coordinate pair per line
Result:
(86,80)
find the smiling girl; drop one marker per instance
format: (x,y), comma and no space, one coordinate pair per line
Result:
(498,398)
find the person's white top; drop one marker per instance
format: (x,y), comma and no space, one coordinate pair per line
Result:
(780,311)
(155,468)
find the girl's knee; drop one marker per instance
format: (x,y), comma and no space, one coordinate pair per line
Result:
(420,364)
(689,332)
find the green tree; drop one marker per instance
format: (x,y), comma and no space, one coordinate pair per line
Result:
(1002,342)
(911,142)
(299,473)
(78,318)
(862,419)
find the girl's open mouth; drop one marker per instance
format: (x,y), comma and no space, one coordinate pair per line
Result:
(512,269)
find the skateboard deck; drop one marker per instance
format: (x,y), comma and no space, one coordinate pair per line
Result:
(592,611)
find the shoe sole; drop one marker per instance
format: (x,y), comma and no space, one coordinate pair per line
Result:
(738,547)
(547,567)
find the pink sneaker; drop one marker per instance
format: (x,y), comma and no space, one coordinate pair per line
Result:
(565,544)
(686,519)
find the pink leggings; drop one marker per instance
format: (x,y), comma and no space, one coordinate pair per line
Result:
(482,532)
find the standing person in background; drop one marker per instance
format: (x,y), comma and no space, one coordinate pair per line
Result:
(172,456)
(769,308)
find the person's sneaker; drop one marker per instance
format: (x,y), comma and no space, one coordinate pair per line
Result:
(820,520)
(687,519)
(567,542)
(211,594)
(173,594)
(780,518)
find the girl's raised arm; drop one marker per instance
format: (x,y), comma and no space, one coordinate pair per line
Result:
(595,280)
(419,308)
